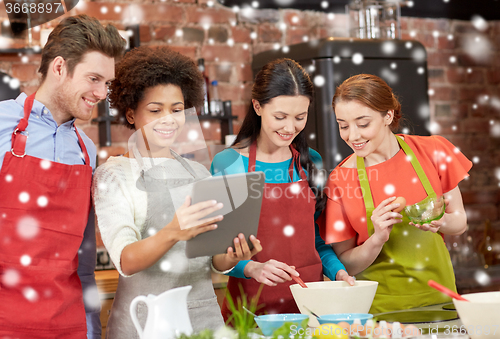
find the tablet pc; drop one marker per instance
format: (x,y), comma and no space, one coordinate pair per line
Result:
(241,195)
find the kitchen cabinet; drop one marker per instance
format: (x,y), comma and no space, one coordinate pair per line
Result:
(105,312)
(107,281)
(226,124)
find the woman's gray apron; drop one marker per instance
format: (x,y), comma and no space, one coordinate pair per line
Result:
(174,269)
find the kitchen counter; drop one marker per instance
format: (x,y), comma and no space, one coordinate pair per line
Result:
(107,281)
(435,327)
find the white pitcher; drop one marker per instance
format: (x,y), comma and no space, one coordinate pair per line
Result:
(167,314)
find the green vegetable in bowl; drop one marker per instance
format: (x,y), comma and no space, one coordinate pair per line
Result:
(289,329)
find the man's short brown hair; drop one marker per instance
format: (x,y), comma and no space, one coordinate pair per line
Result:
(77,35)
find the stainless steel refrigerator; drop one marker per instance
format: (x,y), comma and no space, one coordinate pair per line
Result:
(401,63)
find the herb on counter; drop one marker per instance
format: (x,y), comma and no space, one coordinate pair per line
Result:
(289,329)
(242,321)
(203,334)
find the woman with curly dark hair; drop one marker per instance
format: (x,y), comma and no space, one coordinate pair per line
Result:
(134,195)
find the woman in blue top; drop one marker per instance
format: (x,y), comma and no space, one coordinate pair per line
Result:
(272,140)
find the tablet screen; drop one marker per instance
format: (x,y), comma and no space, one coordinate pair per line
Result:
(241,195)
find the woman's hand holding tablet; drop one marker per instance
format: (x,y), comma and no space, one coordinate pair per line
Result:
(189,220)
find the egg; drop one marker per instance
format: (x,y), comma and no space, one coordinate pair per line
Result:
(397,330)
(367,330)
(362,331)
(382,330)
(411,331)
(356,327)
(389,329)
(402,203)
(344,325)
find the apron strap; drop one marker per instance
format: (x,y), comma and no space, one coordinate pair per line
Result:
(82,146)
(365,185)
(252,156)
(138,156)
(28,105)
(417,167)
(19,139)
(183,162)
(295,160)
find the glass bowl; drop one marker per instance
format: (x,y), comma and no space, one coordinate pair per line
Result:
(426,210)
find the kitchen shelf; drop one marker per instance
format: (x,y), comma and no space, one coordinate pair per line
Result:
(226,124)
(105,120)
(110,118)
(107,282)
(212,117)
(24,50)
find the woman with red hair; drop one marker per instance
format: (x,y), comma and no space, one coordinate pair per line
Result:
(372,240)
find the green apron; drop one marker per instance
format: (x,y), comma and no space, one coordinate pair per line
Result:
(409,258)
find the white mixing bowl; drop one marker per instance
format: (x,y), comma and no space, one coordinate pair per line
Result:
(330,297)
(481,314)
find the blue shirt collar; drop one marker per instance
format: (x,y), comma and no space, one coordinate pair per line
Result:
(43,112)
